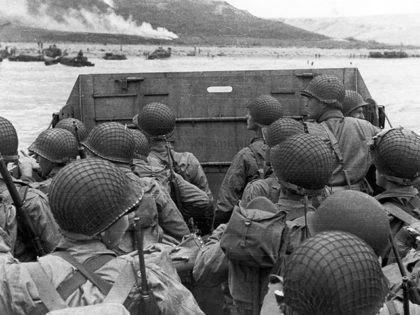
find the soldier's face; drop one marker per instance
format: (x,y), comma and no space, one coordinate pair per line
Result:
(358,113)
(250,123)
(45,165)
(314,108)
(112,236)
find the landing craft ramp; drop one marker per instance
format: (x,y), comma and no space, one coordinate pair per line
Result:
(210,105)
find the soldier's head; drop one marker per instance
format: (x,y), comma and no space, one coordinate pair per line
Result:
(89,196)
(156,120)
(282,129)
(54,147)
(333,273)
(353,212)
(111,141)
(324,92)
(73,124)
(353,105)
(142,148)
(263,111)
(396,155)
(8,140)
(279,131)
(303,163)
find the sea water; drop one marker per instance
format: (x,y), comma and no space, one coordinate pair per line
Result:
(30,92)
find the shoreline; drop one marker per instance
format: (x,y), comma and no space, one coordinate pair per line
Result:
(92,50)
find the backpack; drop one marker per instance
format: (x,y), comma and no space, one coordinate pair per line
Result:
(254,235)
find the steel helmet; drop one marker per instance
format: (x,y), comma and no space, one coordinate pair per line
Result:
(8,140)
(156,119)
(55,145)
(142,144)
(352,101)
(396,154)
(334,273)
(325,88)
(353,212)
(71,124)
(265,109)
(303,160)
(111,141)
(282,129)
(89,195)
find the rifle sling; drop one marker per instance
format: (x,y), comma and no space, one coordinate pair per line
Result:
(401,214)
(122,285)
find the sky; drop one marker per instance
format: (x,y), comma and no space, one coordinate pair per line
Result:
(325,8)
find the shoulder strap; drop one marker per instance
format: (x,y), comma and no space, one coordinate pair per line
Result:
(47,292)
(122,285)
(258,159)
(86,271)
(334,142)
(391,308)
(337,151)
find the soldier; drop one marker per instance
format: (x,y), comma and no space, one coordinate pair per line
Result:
(303,165)
(349,136)
(52,149)
(396,154)
(361,215)
(353,212)
(157,121)
(248,163)
(90,199)
(114,142)
(274,134)
(333,273)
(353,105)
(34,204)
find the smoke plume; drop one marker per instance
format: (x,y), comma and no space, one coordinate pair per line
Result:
(81,20)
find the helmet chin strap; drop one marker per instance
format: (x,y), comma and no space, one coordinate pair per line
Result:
(399,180)
(300,190)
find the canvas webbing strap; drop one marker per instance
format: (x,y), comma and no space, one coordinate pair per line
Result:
(401,214)
(86,272)
(122,285)
(259,160)
(337,151)
(49,296)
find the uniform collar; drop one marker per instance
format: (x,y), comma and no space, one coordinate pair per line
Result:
(331,113)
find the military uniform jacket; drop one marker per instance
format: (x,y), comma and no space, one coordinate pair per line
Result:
(37,207)
(169,217)
(353,136)
(246,166)
(268,187)
(20,293)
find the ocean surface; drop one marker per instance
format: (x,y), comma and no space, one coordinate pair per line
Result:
(30,92)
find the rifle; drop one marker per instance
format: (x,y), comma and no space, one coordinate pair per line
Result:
(148,303)
(403,271)
(27,223)
(175,190)
(172,179)
(76,134)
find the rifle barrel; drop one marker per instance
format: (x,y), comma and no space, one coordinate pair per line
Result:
(18,204)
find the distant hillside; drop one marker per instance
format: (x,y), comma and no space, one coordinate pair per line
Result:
(192,22)
(390,29)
